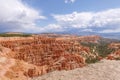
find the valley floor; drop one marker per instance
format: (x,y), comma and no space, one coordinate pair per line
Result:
(103,70)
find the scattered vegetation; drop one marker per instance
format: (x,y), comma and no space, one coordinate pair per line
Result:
(117,58)
(15,35)
(91,60)
(103,50)
(100,48)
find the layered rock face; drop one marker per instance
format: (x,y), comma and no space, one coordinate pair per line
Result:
(12,69)
(92,38)
(39,55)
(116,53)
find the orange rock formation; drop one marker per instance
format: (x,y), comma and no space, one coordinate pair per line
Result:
(36,56)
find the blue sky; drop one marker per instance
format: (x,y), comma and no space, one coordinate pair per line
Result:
(49,7)
(60,7)
(37,16)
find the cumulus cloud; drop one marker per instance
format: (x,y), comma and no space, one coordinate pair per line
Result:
(103,21)
(52,28)
(80,20)
(70,1)
(117,30)
(16,16)
(87,30)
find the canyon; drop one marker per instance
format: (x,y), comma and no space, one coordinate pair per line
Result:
(23,58)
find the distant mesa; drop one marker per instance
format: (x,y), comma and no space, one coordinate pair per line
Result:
(13,33)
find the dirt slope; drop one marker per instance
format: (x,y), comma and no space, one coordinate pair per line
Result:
(104,70)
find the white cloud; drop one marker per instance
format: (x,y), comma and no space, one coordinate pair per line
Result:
(111,31)
(70,1)
(87,30)
(53,28)
(104,20)
(16,16)
(77,20)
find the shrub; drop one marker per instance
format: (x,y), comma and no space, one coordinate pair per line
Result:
(15,35)
(91,60)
